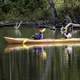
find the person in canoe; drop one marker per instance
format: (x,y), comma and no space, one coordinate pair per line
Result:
(39,34)
(67,31)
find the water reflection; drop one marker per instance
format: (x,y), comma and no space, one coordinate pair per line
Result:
(37,49)
(17,32)
(68,49)
(19,47)
(40,51)
(38,62)
(68,53)
(26,63)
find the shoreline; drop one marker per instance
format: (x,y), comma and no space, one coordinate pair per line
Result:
(24,23)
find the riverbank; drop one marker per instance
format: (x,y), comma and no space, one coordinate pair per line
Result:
(27,23)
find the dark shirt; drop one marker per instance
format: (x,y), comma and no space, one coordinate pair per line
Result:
(38,36)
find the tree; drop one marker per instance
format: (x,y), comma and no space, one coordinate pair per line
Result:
(53,11)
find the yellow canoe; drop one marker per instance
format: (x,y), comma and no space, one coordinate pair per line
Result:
(11,40)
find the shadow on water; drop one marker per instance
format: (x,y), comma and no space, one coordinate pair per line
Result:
(38,63)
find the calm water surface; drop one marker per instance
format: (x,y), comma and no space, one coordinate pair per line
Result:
(38,63)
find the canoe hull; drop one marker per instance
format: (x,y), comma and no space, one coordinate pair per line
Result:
(11,40)
(42,41)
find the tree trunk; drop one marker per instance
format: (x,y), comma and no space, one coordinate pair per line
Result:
(53,11)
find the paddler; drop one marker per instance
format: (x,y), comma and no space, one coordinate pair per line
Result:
(39,34)
(67,35)
(66,31)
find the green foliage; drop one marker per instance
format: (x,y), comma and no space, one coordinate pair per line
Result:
(6,8)
(24,9)
(36,9)
(70,7)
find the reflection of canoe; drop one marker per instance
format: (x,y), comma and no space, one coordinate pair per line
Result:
(43,41)
(18,47)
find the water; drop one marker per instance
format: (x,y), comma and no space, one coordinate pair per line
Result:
(50,63)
